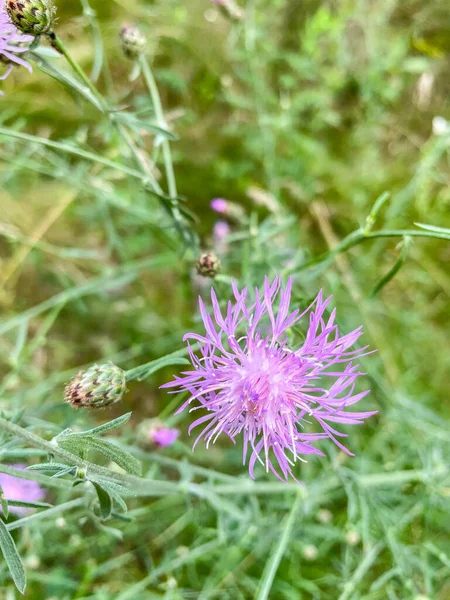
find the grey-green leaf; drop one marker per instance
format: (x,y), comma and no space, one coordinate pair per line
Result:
(110,425)
(12,558)
(4,504)
(104,499)
(144,371)
(82,443)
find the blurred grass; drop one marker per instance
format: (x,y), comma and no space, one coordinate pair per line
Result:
(321,107)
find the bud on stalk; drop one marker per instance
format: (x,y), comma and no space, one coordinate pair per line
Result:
(133,41)
(208,265)
(34,17)
(99,386)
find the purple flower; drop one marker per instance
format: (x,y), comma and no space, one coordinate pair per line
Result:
(251,382)
(220,205)
(12,43)
(164,437)
(15,488)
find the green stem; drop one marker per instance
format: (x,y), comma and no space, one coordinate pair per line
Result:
(135,484)
(276,556)
(143,371)
(147,177)
(96,158)
(161,122)
(44,514)
(138,158)
(359,236)
(58,44)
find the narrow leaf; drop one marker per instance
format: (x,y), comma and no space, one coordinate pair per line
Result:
(12,558)
(80,444)
(433,228)
(67,80)
(25,504)
(144,371)
(110,425)
(394,270)
(4,504)
(104,499)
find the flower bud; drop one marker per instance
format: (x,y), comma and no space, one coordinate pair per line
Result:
(99,386)
(31,16)
(208,265)
(133,41)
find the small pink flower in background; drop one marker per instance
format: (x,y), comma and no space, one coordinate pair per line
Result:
(221,231)
(220,205)
(153,433)
(12,43)
(15,488)
(251,383)
(164,437)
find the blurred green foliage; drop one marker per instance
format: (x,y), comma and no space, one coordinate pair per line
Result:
(304,114)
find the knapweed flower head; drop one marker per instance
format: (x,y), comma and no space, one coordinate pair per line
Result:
(32,16)
(97,387)
(252,383)
(24,490)
(12,44)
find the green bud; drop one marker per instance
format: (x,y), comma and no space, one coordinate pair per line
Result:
(99,386)
(133,41)
(34,17)
(208,265)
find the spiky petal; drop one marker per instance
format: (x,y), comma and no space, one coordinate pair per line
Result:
(13,44)
(251,383)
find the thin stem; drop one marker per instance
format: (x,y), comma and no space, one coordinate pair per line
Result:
(276,556)
(147,176)
(138,157)
(74,150)
(59,45)
(44,514)
(142,371)
(161,122)
(359,236)
(136,484)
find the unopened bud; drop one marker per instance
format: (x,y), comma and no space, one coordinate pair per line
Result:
(99,386)
(32,16)
(133,41)
(208,265)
